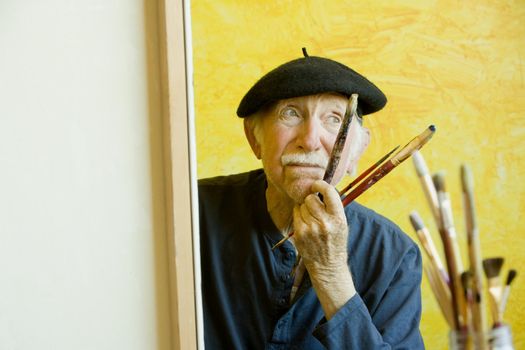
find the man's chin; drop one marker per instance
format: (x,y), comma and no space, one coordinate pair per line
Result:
(300,188)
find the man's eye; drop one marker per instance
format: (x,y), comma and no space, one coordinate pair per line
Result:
(334,119)
(289,112)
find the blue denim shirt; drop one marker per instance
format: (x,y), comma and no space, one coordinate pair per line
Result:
(246,285)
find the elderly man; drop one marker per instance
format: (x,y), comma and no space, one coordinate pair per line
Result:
(361,289)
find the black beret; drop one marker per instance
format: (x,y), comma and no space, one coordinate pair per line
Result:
(311,75)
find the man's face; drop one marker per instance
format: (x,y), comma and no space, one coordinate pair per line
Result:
(296,137)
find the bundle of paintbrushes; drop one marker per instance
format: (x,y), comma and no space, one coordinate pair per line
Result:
(459,291)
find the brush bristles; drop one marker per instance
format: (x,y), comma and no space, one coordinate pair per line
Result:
(466,178)
(419,164)
(417,222)
(477,298)
(510,276)
(465,281)
(492,266)
(439,181)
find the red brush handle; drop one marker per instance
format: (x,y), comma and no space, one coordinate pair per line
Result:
(372,179)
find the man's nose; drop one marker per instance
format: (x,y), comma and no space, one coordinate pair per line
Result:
(309,137)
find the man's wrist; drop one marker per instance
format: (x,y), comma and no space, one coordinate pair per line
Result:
(333,288)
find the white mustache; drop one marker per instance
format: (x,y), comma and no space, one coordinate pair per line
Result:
(307,159)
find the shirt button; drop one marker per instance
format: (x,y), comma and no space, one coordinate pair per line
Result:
(282,301)
(285,277)
(289,255)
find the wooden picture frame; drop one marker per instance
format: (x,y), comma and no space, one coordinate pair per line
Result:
(180,174)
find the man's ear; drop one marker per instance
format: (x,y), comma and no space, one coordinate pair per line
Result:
(252,140)
(363,145)
(365,142)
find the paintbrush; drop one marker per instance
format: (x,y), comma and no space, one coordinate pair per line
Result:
(474,251)
(441,293)
(341,144)
(438,277)
(446,217)
(367,171)
(451,248)
(506,292)
(298,274)
(427,184)
(428,245)
(415,144)
(466,284)
(340,150)
(492,268)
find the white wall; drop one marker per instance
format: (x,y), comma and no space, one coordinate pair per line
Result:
(82,259)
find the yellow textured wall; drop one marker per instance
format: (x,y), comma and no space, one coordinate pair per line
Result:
(456,64)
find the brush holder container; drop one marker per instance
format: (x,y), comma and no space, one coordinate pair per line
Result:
(458,340)
(500,338)
(479,341)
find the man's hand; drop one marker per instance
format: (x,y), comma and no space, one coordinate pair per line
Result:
(321,237)
(320,229)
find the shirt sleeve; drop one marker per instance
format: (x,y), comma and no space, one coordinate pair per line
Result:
(393,325)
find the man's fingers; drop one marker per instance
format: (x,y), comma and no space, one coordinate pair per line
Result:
(315,206)
(311,215)
(331,198)
(304,220)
